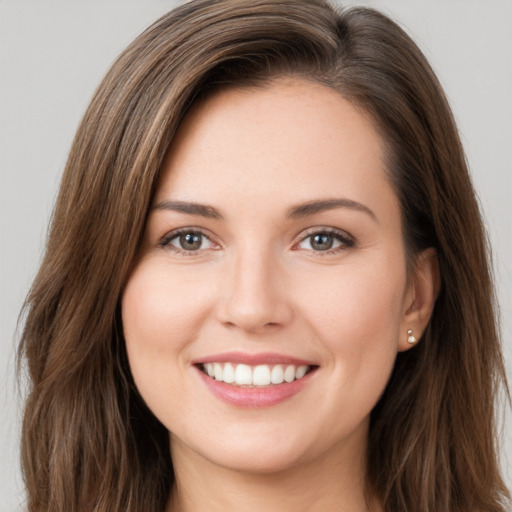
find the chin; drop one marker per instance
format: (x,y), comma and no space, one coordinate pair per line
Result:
(266,461)
(253,452)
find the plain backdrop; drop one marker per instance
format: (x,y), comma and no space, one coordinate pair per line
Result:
(54,53)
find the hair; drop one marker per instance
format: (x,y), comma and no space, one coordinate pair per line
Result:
(89,443)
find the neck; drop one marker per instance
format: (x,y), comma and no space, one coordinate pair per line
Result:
(331,484)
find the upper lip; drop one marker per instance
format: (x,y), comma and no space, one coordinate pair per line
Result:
(252,359)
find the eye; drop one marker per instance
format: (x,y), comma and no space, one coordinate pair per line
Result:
(188,241)
(326,240)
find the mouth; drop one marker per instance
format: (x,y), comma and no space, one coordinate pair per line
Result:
(258,380)
(255,376)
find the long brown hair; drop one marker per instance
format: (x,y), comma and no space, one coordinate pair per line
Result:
(89,443)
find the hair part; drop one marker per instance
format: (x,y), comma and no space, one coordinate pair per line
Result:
(89,442)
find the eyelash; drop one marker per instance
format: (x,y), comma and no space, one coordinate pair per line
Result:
(167,239)
(344,238)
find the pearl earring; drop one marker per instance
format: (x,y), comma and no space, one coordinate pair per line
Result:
(411,339)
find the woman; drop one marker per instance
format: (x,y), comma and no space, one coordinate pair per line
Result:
(266,282)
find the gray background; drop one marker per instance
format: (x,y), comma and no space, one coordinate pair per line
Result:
(52,56)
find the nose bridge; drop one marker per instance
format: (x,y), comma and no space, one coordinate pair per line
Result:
(255,297)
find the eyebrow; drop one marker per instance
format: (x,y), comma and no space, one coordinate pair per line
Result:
(295,212)
(318,206)
(191,208)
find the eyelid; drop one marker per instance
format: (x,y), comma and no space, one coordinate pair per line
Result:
(166,239)
(346,239)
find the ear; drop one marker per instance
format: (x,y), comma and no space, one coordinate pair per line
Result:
(423,289)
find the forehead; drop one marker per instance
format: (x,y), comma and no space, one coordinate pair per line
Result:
(287,141)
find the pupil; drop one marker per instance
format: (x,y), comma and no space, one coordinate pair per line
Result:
(322,242)
(191,241)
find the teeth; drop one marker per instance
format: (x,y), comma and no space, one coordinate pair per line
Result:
(229,373)
(301,371)
(277,376)
(289,373)
(243,375)
(261,375)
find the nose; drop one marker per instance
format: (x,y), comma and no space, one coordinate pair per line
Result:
(255,298)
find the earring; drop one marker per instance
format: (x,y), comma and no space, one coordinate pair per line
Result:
(411,339)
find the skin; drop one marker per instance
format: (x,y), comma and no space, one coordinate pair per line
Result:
(260,286)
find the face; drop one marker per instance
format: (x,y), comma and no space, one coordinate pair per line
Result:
(264,314)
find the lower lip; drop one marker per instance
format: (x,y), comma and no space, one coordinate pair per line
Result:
(254,397)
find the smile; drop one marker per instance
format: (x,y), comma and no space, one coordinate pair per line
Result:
(254,380)
(254,376)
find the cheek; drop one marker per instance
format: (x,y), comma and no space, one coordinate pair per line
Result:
(357,310)
(160,316)
(356,317)
(159,311)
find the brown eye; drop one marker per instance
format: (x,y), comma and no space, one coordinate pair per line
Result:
(188,241)
(321,242)
(326,241)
